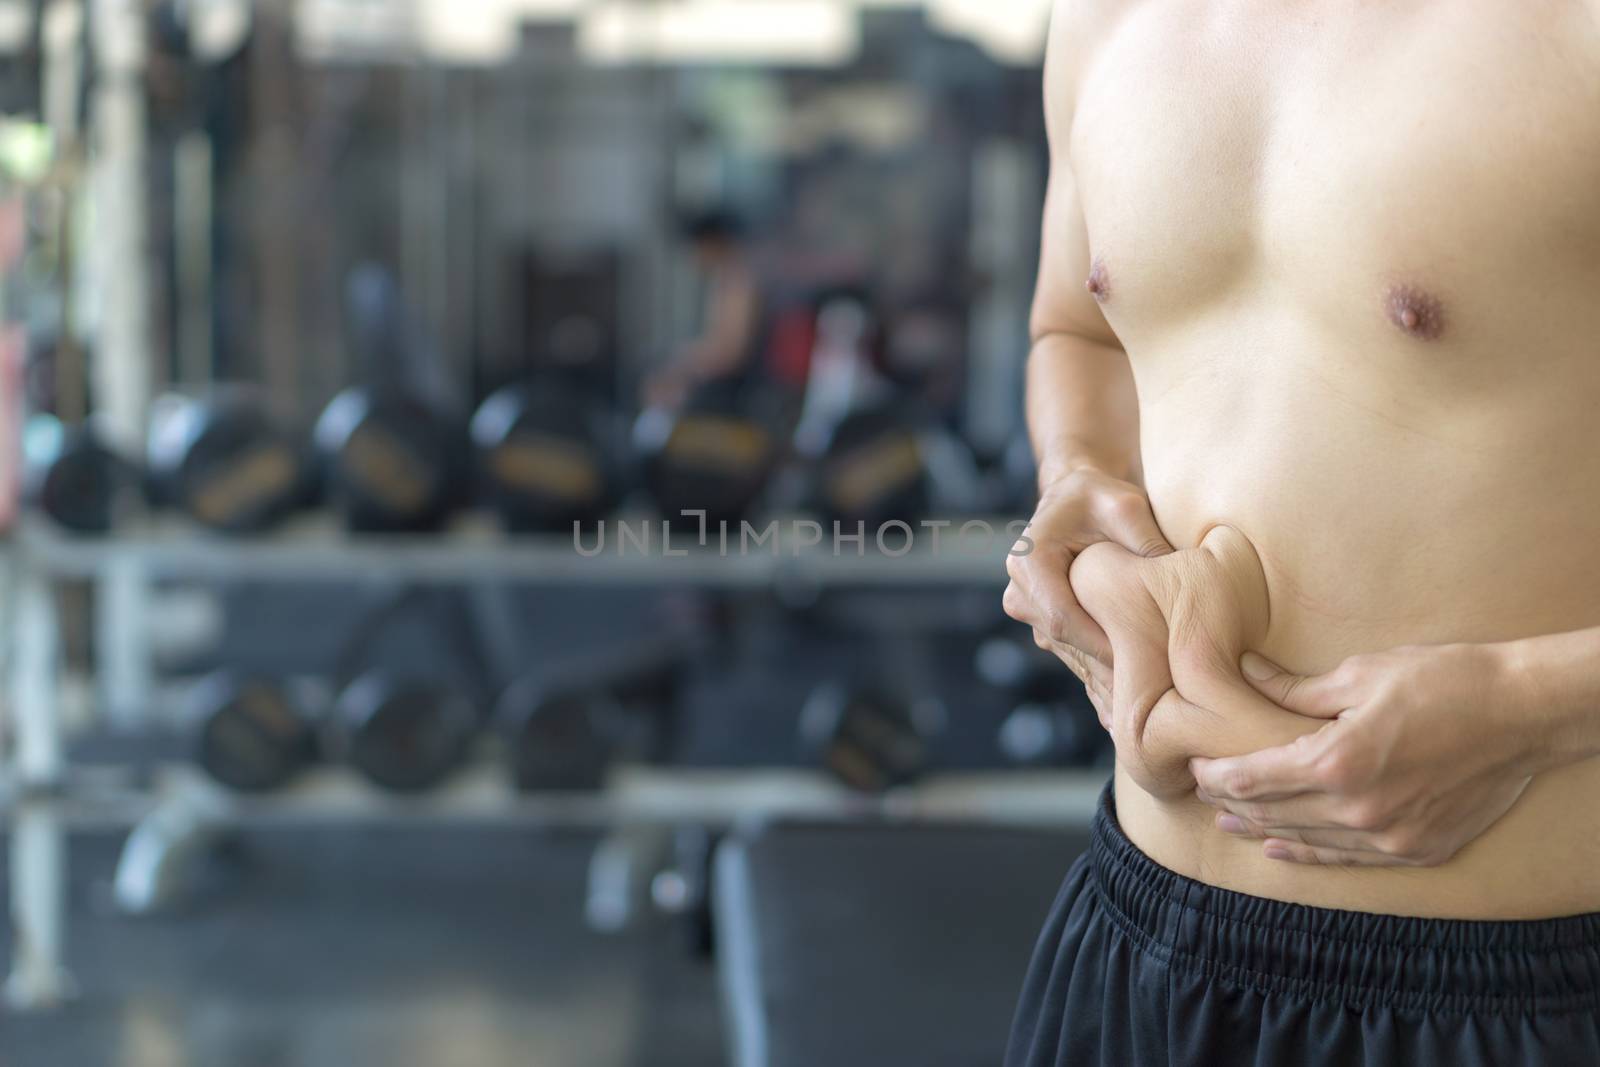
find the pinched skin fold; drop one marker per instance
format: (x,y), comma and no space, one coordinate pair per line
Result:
(1177,625)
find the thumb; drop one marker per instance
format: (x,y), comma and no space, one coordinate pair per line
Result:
(1129,522)
(1319,695)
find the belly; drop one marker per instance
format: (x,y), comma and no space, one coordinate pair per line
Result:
(1380,521)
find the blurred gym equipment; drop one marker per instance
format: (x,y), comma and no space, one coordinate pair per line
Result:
(874,470)
(867,944)
(223,460)
(405,735)
(73,476)
(249,735)
(716,455)
(544,457)
(565,733)
(864,735)
(560,739)
(408,722)
(683,888)
(390,462)
(1051,723)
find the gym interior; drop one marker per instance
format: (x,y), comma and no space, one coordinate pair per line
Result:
(506,508)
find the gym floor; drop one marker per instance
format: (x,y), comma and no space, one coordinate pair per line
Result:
(403,946)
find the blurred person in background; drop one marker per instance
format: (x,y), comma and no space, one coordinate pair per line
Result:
(727,349)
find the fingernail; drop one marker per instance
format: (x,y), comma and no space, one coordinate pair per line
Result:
(1256,667)
(1277,852)
(1230,824)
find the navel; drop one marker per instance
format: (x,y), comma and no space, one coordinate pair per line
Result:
(1099,282)
(1414,312)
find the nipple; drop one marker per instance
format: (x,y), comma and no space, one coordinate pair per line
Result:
(1098,282)
(1415,312)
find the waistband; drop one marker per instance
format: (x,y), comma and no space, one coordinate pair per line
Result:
(1432,965)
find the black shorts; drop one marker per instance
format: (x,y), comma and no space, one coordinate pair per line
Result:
(1138,965)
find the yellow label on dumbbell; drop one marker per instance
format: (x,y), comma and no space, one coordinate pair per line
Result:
(546,465)
(264,707)
(245,482)
(385,468)
(718,443)
(874,470)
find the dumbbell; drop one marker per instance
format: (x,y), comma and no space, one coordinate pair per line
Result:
(403,734)
(866,736)
(249,734)
(225,461)
(1051,721)
(874,470)
(714,455)
(544,457)
(73,476)
(412,684)
(390,462)
(565,733)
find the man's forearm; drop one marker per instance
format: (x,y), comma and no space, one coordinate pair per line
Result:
(1557,678)
(1083,410)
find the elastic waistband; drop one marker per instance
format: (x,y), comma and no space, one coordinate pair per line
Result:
(1433,965)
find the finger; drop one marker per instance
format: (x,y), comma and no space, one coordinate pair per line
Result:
(1142,677)
(1321,695)
(1041,596)
(1337,838)
(1276,848)
(1090,671)
(1270,774)
(1128,520)
(1308,811)
(1314,837)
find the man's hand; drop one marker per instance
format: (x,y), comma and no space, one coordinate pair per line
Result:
(1177,624)
(1424,748)
(1079,509)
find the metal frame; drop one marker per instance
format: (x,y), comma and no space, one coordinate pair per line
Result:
(184,811)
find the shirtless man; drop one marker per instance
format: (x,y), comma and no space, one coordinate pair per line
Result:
(1314,391)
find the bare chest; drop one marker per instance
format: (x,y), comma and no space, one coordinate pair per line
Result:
(1405,160)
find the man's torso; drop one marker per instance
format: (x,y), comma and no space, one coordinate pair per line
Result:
(1353,251)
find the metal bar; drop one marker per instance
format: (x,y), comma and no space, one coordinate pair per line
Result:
(38,844)
(634,795)
(315,550)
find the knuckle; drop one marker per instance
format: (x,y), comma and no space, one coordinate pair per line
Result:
(1255,814)
(1350,672)
(1128,507)
(1368,816)
(1337,769)
(1238,782)
(1016,566)
(1057,625)
(1401,844)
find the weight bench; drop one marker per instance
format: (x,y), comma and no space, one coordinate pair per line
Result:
(879,945)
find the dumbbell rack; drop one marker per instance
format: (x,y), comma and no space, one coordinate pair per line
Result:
(45,799)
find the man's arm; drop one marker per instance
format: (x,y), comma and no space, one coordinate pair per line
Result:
(1082,409)
(730,324)
(732,312)
(1425,748)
